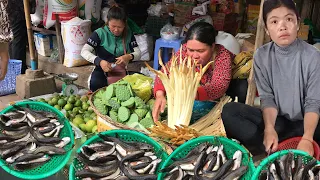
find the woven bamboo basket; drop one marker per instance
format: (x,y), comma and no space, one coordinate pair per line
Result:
(211,124)
(104,122)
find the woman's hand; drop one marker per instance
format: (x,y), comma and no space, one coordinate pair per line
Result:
(124,59)
(306,145)
(105,65)
(159,105)
(270,140)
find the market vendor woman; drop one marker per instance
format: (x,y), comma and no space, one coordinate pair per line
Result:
(114,44)
(201,46)
(287,74)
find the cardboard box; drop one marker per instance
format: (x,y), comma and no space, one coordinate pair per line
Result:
(303,32)
(45,43)
(225,22)
(182,13)
(252,18)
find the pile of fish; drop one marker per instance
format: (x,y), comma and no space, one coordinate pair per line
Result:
(113,158)
(29,137)
(288,167)
(205,162)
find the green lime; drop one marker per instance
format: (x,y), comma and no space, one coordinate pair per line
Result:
(50,103)
(78,103)
(77,121)
(41,99)
(93,116)
(90,110)
(66,98)
(68,107)
(71,100)
(87,114)
(95,129)
(56,95)
(84,98)
(83,127)
(57,107)
(85,106)
(54,100)
(62,102)
(67,114)
(90,124)
(86,119)
(76,110)
(77,96)
(79,116)
(71,115)
(72,96)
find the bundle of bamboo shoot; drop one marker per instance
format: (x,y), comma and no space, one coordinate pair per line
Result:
(181,82)
(211,124)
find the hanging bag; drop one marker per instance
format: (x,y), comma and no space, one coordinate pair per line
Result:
(6,34)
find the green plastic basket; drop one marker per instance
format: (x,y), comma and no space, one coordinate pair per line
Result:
(265,162)
(126,135)
(57,162)
(229,146)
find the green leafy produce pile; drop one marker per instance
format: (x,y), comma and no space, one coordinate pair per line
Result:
(77,109)
(119,102)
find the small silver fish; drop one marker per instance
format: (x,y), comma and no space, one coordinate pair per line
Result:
(237,156)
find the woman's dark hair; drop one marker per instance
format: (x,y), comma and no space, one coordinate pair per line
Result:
(270,5)
(203,32)
(117,12)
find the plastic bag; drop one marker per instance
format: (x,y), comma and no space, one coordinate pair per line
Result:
(141,85)
(145,44)
(90,10)
(157,9)
(169,32)
(37,17)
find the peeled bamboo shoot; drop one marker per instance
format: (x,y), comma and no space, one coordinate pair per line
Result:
(181,81)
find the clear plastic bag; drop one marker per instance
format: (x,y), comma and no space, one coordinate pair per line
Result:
(169,32)
(141,85)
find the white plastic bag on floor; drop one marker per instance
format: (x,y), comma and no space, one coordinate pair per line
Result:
(37,17)
(90,10)
(145,44)
(75,34)
(67,9)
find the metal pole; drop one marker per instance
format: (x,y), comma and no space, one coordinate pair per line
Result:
(33,59)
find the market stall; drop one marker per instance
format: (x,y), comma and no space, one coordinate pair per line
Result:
(110,133)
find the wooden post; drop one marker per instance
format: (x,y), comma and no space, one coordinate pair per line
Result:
(33,58)
(252,89)
(59,39)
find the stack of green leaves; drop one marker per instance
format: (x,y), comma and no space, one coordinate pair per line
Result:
(119,102)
